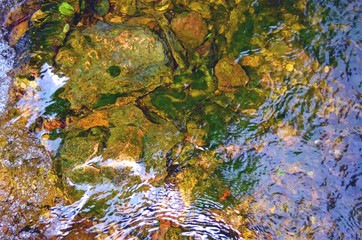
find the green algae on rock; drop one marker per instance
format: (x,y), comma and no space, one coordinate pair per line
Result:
(48,33)
(120,59)
(123,134)
(101,7)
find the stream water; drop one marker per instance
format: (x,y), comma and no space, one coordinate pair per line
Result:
(291,171)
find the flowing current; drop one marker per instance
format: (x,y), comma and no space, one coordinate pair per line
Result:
(7,54)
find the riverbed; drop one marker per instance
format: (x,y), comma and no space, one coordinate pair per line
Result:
(187,155)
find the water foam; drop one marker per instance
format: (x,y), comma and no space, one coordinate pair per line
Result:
(7,56)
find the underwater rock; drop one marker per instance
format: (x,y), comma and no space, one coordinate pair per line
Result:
(125,7)
(27,182)
(123,133)
(150,6)
(112,59)
(149,22)
(101,7)
(126,134)
(251,61)
(49,30)
(202,8)
(79,147)
(190,28)
(95,119)
(18,32)
(230,75)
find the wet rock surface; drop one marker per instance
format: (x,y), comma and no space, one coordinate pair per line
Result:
(27,182)
(230,75)
(190,28)
(112,59)
(127,136)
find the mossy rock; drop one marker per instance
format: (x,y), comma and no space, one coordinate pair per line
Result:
(79,146)
(179,100)
(209,125)
(49,33)
(157,142)
(112,59)
(101,7)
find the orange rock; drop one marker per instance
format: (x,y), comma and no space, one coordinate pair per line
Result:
(95,119)
(51,124)
(17,32)
(230,75)
(190,29)
(250,61)
(225,195)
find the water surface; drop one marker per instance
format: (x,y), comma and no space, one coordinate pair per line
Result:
(289,170)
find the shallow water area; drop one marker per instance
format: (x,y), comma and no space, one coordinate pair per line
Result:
(275,156)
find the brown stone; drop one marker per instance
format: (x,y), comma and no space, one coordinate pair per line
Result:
(230,75)
(96,119)
(51,124)
(151,23)
(18,32)
(190,29)
(250,61)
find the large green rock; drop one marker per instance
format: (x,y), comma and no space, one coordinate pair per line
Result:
(112,59)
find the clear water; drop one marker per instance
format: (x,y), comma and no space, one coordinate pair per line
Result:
(292,172)
(7,56)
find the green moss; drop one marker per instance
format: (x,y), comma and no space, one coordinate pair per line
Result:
(191,102)
(114,71)
(177,93)
(106,99)
(164,103)
(268,21)
(178,78)
(101,7)
(59,106)
(198,80)
(241,38)
(47,36)
(66,9)
(251,98)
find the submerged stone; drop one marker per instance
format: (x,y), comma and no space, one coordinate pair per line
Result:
(125,7)
(119,134)
(101,7)
(230,75)
(191,29)
(112,59)
(49,30)
(27,182)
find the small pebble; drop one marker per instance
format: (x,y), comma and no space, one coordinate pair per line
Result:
(289,67)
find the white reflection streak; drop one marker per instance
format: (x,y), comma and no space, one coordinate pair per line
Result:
(64,220)
(38,95)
